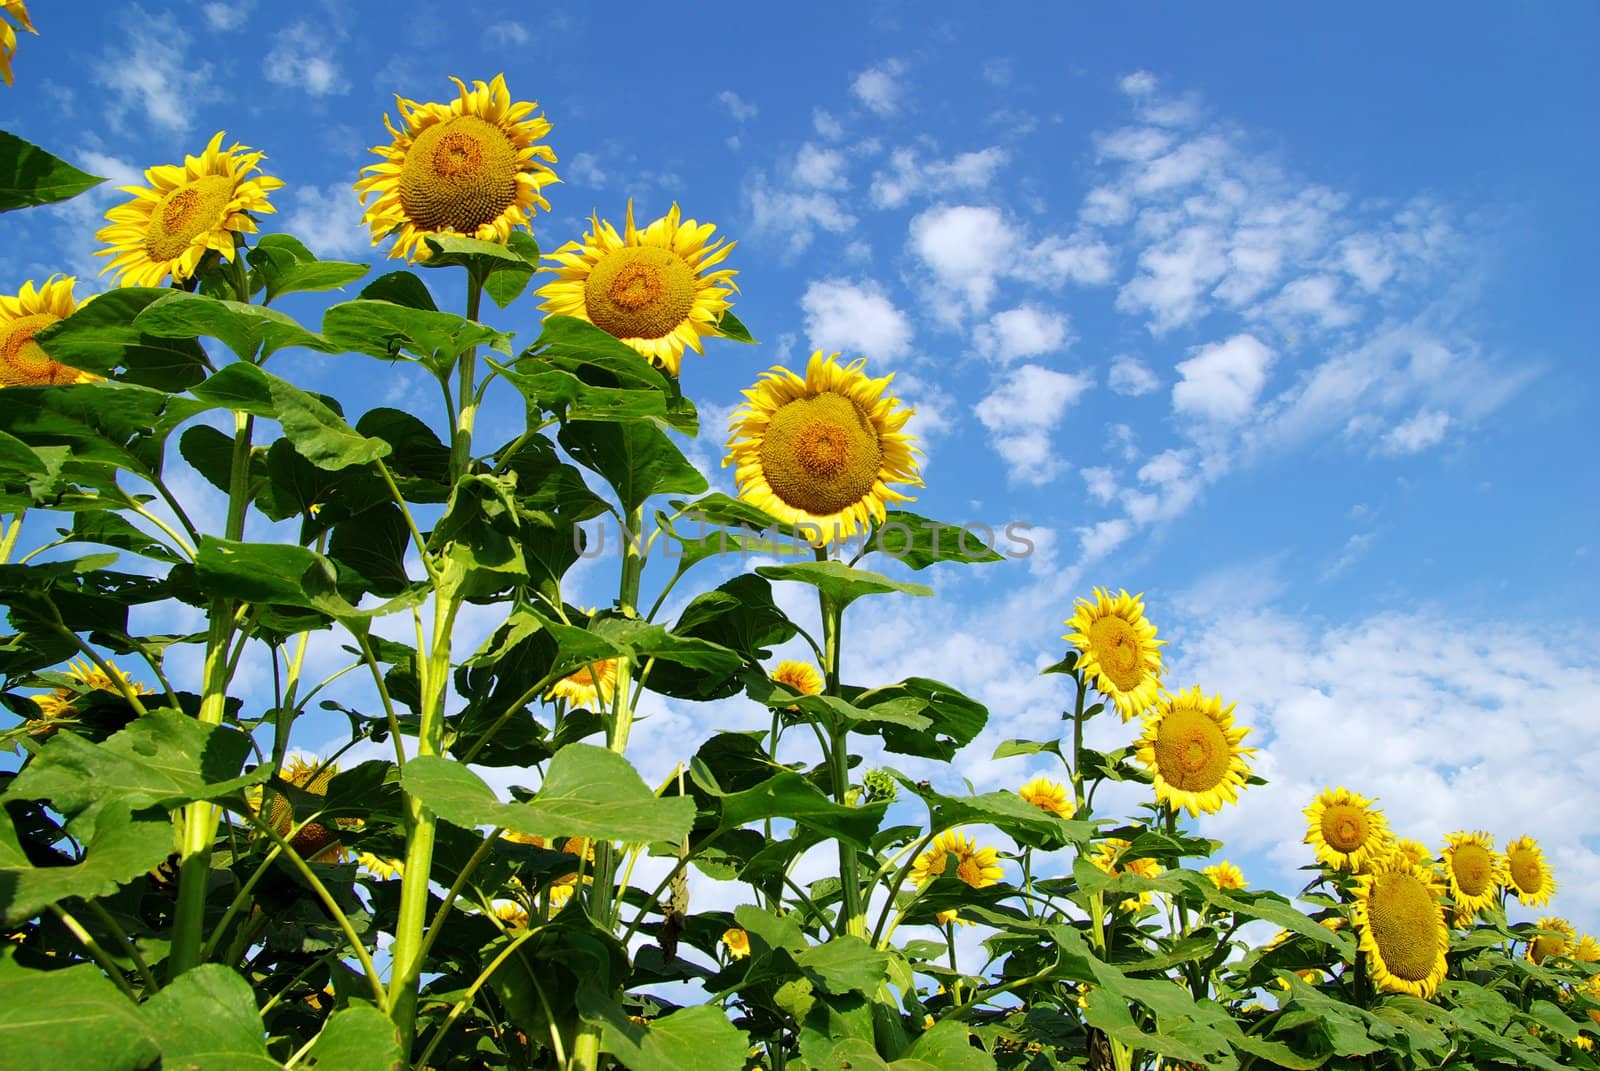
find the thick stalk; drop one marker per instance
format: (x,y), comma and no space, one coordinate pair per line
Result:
(854,920)
(9,539)
(200,818)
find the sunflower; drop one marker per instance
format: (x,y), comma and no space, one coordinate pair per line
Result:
(1048,795)
(592,686)
(952,917)
(1475,873)
(1225,875)
(1558,942)
(315,842)
(1527,874)
(1587,950)
(1118,650)
(1108,857)
(1192,747)
(1346,829)
(978,867)
(1414,850)
(472,167)
(821,451)
(562,888)
(1401,928)
(801,677)
(651,288)
(512,915)
(379,867)
(61,704)
(737,942)
(17,11)
(169,225)
(23,363)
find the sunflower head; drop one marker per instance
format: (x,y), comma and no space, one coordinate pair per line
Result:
(1587,950)
(737,942)
(653,288)
(379,867)
(978,867)
(820,452)
(1473,871)
(316,843)
(952,917)
(11,11)
(61,704)
(1118,650)
(1346,829)
(1192,747)
(512,915)
(1108,857)
(801,677)
(591,687)
(473,167)
(1048,795)
(1225,875)
(1527,874)
(1401,928)
(206,204)
(23,363)
(1560,941)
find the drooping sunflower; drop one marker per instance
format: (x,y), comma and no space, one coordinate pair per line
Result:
(1048,795)
(472,167)
(185,211)
(59,705)
(1559,942)
(1401,928)
(1225,875)
(1474,872)
(379,867)
(512,915)
(591,687)
(1118,650)
(952,917)
(651,288)
(820,452)
(978,867)
(801,677)
(17,11)
(1347,831)
(562,888)
(737,942)
(1192,747)
(23,362)
(1528,876)
(316,843)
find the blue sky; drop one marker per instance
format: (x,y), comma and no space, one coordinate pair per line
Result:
(1275,316)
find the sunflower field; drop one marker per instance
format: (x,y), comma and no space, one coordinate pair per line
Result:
(181,887)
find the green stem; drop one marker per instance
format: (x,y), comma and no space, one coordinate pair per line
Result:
(472,992)
(104,918)
(1077,748)
(92,946)
(9,540)
(838,758)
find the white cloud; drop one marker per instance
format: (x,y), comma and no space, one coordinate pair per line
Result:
(856,319)
(1131,376)
(328,220)
(907,176)
(1139,84)
(1354,549)
(1022,413)
(301,57)
(1098,540)
(1315,297)
(1174,276)
(879,88)
(795,215)
(968,247)
(584,170)
(827,125)
(1024,331)
(1413,436)
(1222,381)
(1100,482)
(151,74)
(820,169)
(1106,205)
(224,16)
(1056,261)
(506,33)
(737,106)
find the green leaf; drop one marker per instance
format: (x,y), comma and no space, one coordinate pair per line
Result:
(698,1038)
(419,462)
(247,330)
(31,176)
(733,329)
(101,337)
(948,1046)
(318,432)
(1011,748)
(119,845)
(788,795)
(356,1038)
(162,759)
(285,266)
(400,288)
(1006,811)
(108,528)
(502,270)
(636,459)
(954,719)
(840,583)
(846,964)
(548,389)
(74,1018)
(919,542)
(206,1020)
(588,791)
(385,329)
(271,573)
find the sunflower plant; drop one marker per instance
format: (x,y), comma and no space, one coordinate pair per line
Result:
(182,884)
